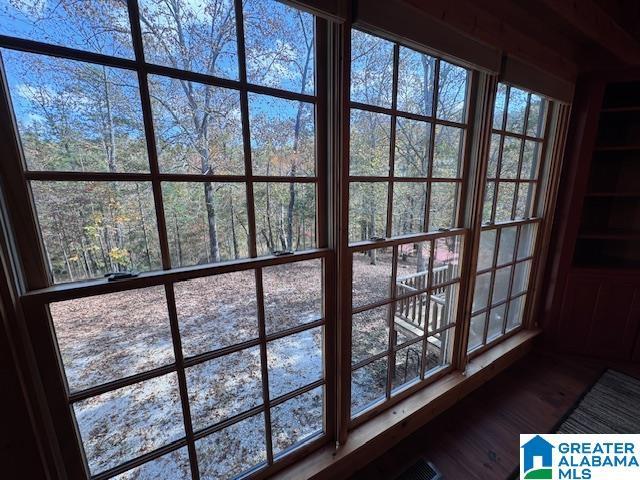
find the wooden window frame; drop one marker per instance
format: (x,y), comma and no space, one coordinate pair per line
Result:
(348,249)
(38,290)
(332,180)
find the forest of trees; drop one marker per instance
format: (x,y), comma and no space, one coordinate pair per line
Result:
(76,116)
(372,84)
(82,117)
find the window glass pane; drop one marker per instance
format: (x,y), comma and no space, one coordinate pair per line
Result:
(517,109)
(282,136)
(535,125)
(111,228)
(412,148)
(438,351)
(406,366)
(487,208)
(206,221)
(507,245)
(487,248)
(494,153)
(504,205)
(496,321)
(279,44)
(76,116)
(100,26)
(285,216)
(527,240)
(415,82)
(294,361)
(292,294)
(367,210)
(411,315)
(525,200)
(371,69)
(448,149)
(481,291)
(516,311)
(371,276)
(369,333)
(501,285)
(521,277)
(235,450)
(446,263)
(369,147)
(368,385)
(498,107)
(198,127)
(442,211)
(408,207)
(476,332)
(131,421)
(224,387)
(412,267)
(172,465)
(194,35)
(107,337)
(530,159)
(216,312)
(452,92)
(510,158)
(297,420)
(443,307)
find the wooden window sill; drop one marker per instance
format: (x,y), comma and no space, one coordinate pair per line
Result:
(377,435)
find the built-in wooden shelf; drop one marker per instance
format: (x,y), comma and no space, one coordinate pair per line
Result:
(609,234)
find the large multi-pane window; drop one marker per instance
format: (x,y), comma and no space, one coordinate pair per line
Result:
(408,121)
(185,149)
(159,135)
(508,235)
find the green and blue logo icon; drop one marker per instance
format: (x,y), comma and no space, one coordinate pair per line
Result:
(537,459)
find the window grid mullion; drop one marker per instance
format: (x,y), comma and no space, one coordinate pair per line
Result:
(496,186)
(491,285)
(392,140)
(423,359)
(152,155)
(432,139)
(182,378)
(521,157)
(264,366)
(147,114)
(512,277)
(391,323)
(246,133)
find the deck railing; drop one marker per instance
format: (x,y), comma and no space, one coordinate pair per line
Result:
(414,309)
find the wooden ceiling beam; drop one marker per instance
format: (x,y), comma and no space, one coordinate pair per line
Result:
(587,17)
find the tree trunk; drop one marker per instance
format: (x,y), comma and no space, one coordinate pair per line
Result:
(234,237)
(214,250)
(143,226)
(178,244)
(296,143)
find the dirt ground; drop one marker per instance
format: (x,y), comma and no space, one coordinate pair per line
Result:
(112,336)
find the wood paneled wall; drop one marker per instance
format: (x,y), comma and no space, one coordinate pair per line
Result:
(600,315)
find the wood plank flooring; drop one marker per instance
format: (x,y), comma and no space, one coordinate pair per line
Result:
(478,438)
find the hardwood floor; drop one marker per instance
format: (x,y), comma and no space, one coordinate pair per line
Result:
(478,438)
